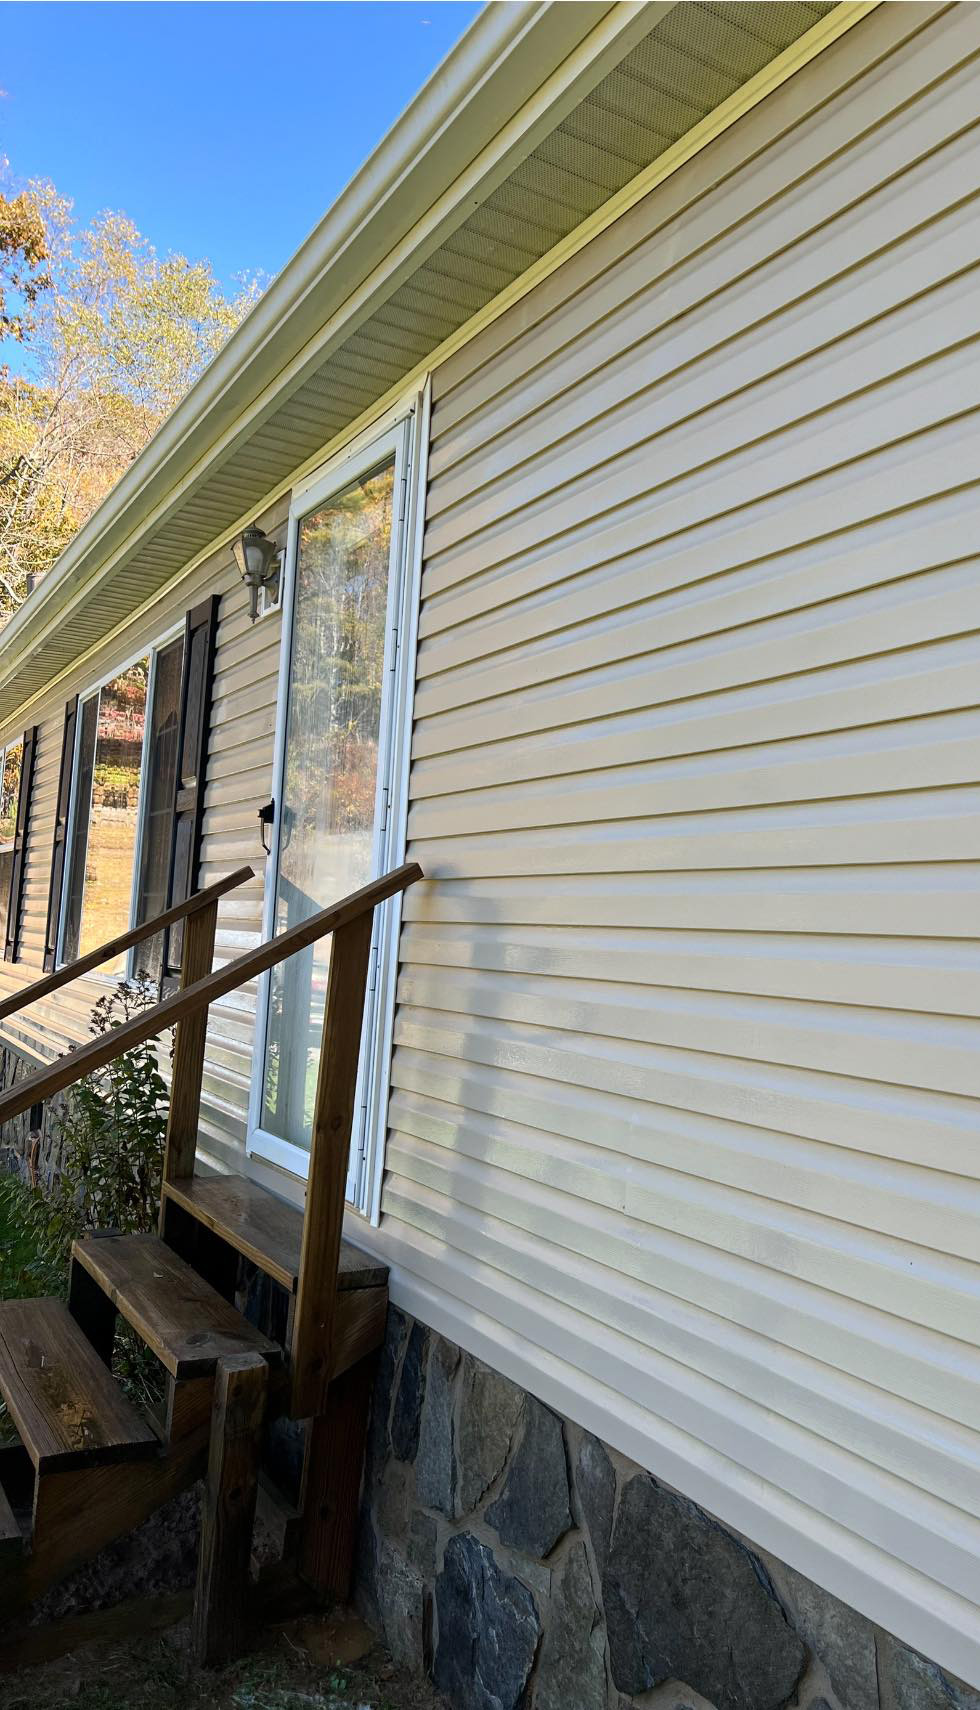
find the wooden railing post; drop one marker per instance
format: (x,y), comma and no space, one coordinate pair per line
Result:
(332,1118)
(188,1060)
(228,1511)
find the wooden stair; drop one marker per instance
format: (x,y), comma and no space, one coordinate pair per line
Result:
(68,1409)
(77,1428)
(89,1468)
(184,1321)
(243,1218)
(264,1229)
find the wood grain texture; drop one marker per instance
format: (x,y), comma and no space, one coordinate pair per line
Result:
(78,1512)
(358,1327)
(228,1510)
(188,1061)
(179,1316)
(332,1483)
(116,946)
(266,1230)
(94,1055)
(187,1406)
(263,1228)
(67,1408)
(313,1325)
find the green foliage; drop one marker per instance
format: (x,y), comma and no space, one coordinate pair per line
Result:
(111,1135)
(115,335)
(113,1126)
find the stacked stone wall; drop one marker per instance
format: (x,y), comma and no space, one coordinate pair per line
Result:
(526,1566)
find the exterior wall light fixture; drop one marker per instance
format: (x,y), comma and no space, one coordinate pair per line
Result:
(259,560)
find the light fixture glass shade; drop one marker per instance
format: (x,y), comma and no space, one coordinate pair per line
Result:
(257,558)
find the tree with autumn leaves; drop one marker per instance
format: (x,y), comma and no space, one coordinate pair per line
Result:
(110,337)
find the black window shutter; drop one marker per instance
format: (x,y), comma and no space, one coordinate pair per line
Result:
(60,835)
(200,634)
(16,899)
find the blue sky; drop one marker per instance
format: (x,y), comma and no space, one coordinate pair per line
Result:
(224,130)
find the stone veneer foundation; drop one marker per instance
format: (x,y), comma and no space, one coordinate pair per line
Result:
(525,1566)
(31,1153)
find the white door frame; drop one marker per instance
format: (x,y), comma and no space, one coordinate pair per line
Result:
(404,434)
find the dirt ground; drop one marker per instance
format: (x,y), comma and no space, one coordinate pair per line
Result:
(322,1662)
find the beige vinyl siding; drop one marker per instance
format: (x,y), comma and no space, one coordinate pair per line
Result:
(239,780)
(684,1125)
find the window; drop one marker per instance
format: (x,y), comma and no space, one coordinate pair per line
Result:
(342,685)
(11,761)
(153,876)
(118,854)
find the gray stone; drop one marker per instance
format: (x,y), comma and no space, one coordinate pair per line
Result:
(532,1511)
(393,1502)
(684,1601)
(366,1570)
(406,1608)
(572,1667)
(595,1481)
(909,1681)
(407,1414)
(422,1540)
(843,1640)
(435,1462)
(673,1695)
(488,1630)
(490,1407)
(378,1440)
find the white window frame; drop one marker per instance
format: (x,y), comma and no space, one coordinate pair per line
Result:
(152,648)
(15,741)
(5,849)
(405,434)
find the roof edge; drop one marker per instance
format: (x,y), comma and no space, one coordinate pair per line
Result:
(505,55)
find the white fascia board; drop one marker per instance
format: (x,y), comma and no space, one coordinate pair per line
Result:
(512,77)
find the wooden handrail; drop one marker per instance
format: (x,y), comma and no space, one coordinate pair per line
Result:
(126,940)
(97,1052)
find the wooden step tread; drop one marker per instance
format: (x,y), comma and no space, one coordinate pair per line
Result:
(188,1325)
(66,1405)
(265,1229)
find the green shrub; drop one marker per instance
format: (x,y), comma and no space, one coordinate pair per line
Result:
(111,1131)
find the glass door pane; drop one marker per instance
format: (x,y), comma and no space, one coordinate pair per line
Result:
(158,809)
(103,841)
(327,812)
(10,765)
